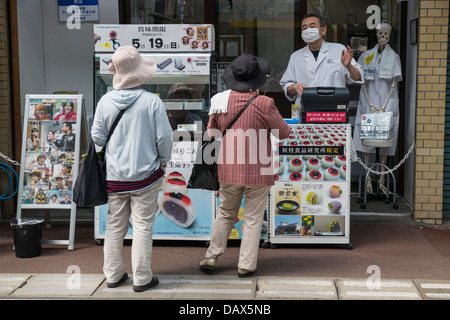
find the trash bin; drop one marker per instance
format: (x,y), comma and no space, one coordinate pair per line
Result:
(27,237)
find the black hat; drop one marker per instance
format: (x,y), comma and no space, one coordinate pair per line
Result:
(246,73)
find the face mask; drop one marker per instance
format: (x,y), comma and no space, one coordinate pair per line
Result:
(310,34)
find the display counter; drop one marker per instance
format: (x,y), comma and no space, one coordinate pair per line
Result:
(183,214)
(184,80)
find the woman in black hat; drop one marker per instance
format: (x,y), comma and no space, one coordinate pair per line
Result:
(245,166)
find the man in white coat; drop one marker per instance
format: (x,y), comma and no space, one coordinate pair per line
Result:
(382,69)
(320,63)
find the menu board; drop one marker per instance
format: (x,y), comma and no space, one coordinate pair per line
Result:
(50,151)
(311,195)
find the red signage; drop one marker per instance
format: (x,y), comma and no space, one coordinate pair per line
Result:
(326,116)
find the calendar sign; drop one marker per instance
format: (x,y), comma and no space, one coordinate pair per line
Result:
(151,38)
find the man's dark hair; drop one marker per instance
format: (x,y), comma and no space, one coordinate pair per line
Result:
(68,124)
(321,19)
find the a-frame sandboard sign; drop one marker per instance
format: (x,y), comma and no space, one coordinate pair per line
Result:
(52,132)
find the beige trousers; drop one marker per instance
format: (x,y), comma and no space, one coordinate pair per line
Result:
(141,206)
(230,201)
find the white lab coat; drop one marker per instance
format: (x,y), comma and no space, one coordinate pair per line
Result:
(378,90)
(327,71)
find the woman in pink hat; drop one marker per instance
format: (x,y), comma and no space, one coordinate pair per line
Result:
(136,156)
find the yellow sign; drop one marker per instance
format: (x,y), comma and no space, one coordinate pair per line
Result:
(369,58)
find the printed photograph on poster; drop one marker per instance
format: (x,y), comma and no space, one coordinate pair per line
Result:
(288,225)
(307,222)
(287,198)
(313,153)
(183,211)
(323,198)
(329,225)
(52,109)
(196,38)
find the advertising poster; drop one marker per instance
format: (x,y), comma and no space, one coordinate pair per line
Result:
(51,137)
(160,37)
(311,195)
(169,64)
(182,213)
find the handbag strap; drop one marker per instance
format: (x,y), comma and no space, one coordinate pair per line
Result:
(119,116)
(238,115)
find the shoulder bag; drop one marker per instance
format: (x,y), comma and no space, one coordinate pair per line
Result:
(90,187)
(204,173)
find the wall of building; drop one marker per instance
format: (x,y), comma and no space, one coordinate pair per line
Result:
(430,120)
(54,57)
(6,143)
(409,81)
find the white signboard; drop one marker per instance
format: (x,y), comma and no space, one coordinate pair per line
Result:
(170,64)
(151,38)
(50,155)
(311,196)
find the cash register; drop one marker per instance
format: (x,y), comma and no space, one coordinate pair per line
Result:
(325,105)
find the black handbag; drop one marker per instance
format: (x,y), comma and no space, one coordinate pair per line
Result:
(90,187)
(204,173)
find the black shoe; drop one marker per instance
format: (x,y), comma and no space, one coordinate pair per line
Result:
(243,273)
(116,284)
(149,285)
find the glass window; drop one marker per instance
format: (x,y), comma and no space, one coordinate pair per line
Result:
(166,11)
(262,28)
(347,21)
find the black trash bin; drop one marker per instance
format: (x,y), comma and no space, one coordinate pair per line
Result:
(27,237)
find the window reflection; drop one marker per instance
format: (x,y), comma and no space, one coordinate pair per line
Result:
(166,11)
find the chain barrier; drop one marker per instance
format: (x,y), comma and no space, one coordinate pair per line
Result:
(9,160)
(411,149)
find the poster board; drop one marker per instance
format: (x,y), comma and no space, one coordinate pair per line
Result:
(192,220)
(50,155)
(316,208)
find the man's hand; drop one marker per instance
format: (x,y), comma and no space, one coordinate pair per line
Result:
(296,88)
(347,56)
(346,59)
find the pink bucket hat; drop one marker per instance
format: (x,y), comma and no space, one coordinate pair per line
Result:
(130,68)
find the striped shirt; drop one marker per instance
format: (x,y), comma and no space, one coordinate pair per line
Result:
(132,186)
(245,156)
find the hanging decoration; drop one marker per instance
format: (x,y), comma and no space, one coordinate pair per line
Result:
(383,11)
(181,4)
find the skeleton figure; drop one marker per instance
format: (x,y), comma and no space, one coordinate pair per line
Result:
(382,70)
(383,35)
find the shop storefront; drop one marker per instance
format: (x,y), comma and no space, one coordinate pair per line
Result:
(61,60)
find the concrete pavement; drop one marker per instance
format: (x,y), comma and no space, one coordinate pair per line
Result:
(217,287)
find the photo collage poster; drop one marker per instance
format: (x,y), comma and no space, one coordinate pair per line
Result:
(49,156)
(312,191)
